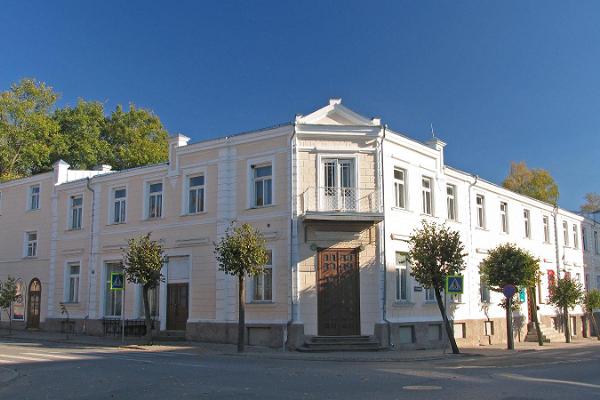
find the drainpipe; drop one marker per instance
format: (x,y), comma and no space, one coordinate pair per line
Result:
(291,318)
(556,248)
(381,175)
(91,253)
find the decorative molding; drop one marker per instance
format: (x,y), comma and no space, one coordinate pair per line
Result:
(200,241)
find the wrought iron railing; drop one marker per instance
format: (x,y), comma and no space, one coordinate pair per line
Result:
(133,327)
(340,199)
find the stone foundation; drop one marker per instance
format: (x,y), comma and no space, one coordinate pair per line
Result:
(271,335)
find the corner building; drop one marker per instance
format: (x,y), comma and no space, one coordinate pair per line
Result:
(336,196)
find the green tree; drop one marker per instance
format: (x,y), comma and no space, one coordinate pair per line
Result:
(8,295)
(436,252)
(592,203)
(591,301)
(81,127)
(509,265)
(27,131)
(136,137)
(241,252)
(142,261)
(536,183)
(567,293)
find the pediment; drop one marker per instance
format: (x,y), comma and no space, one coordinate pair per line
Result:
(335,114)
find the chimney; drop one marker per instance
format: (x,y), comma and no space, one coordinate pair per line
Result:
(61,172)
(175,142)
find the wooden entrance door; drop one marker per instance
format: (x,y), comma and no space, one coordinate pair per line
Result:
(177,306)
(338,292)
(34,304)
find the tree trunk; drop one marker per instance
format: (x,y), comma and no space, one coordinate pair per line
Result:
(10,319)
(510,340)
(147,316)
(594,324)
(567,325)
(449,330)
(241,316)
(534,314)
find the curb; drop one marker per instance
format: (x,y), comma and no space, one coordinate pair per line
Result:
(7,375)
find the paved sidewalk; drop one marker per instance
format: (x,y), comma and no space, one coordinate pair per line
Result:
(230,350)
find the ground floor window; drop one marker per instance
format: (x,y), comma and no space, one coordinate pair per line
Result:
(263,283)
(18,311)
(401,277)
(153,300)
(112,298)
(429,294)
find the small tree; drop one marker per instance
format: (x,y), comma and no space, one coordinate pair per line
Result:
(241,252)
(509,265)
(436,252)
(8,295)
(591,301)
(566,294)
(142,261)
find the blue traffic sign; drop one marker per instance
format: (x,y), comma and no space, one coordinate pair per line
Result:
(455,284)
(522,294)
(117,281)
(509,291)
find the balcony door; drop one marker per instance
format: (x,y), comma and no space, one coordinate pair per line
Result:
(338,192)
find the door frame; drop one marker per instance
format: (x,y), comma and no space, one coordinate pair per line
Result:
(356,252)
(30,320)
(187,303)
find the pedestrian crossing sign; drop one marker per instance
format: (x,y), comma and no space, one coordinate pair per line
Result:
(117,281)
(455,284)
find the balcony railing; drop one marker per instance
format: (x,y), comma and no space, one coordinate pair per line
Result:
(340,200)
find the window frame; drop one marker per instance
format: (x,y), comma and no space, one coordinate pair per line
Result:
(31,195)
(398,268)
(400,189)
(113,293)
(527,222)
(149,195)
(113,201)
(480,217)
(575,231)
(196,188)
(566,234)
(69,287)
(258,281)
(427,196)
(31,246)
(71,226)
(451,203)
(546,226)
(584,242)
(262,180)
(504,225)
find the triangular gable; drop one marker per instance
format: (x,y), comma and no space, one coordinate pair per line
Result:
(335,114)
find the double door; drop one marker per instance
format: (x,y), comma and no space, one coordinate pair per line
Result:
(177,306)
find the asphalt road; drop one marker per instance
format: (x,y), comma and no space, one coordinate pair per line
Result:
(58,371)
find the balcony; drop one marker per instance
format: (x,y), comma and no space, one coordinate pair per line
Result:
(341,204)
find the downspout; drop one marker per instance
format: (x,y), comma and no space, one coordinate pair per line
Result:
(91,253)
(291,319)
(556,248)
(381,175)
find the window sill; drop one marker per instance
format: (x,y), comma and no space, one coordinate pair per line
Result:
(403,303)
(33,210)
(430,302)
(403,209)
(260,207)
(116,223)
(261,302)
(479,228)
(152,219)
(73,230)
(194,214)
(71,303)
(30,257)
(427,215)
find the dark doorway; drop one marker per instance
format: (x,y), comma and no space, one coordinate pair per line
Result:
(177,306)
(34,304)
(338,291)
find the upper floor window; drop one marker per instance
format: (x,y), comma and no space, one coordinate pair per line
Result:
(504,216)
(480,204)
(196,194)
(584,238)
(31,242)
(263,185)
(451,202)
(155,197)
(263,283)
(119,206)
(34,197)
(338,192)
(401,277)
(399,188)
(76,212)
(426,191)
(566,233)
(575,237)
(546,229)
(527,223)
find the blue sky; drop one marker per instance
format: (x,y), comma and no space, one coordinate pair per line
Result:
(499,81)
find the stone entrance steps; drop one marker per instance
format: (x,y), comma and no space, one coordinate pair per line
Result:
(322,344)
(549,334)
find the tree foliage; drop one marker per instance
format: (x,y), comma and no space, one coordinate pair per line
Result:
(591,300)
(507,264)
(592,203)
(536,182)
(436,252)
(567,293)
(241,252)
(8,295)
(142,262)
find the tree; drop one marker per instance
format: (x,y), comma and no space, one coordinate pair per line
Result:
(241,252)
(8,295)
(591,301)
(509,265)
(435,253)
(142,262)
(592,203)
(27,132)
(535,183)
(566,294)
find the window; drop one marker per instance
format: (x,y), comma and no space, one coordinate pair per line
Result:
(263,185)
(401,277)
(31,244)
(427,195)
(112,298)
(489,328)
(551,280)
(575,237)
(18,306)
(484,291)
(546,229)
(566,233)
(72,291)
(451,202)
(596,242)
(597,281)
(399,188)
(504,216)
(155,196)
(527,223)
(430,294)
(263,283)
(76,212)
(196,194)
(119,205)
(34,197)
(338,192)
(153,301)
(480,204)
(584,238)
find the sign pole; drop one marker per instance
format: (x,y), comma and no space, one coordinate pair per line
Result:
(123,316)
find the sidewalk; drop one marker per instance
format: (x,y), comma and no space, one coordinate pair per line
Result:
(229,350)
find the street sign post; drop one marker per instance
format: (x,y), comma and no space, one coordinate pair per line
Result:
(455,284)
(509,291)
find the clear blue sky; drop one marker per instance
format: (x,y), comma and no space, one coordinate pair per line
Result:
(500,81)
